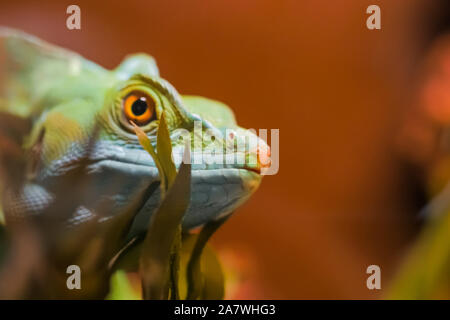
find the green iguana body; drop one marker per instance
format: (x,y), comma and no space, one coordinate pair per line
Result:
(67,96)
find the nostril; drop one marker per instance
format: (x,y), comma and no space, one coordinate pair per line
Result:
(264,155)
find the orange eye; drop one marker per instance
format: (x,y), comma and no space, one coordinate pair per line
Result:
(139,108)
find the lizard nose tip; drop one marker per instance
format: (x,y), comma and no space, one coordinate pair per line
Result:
(261,156)
(264,155)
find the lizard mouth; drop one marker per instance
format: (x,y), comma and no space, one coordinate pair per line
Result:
(213,191)
(263,162)
(253,169)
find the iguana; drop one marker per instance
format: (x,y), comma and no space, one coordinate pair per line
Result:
(67,97)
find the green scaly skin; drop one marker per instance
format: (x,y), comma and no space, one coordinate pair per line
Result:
(66,96)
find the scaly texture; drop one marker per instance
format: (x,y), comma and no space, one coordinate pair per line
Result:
(66,97)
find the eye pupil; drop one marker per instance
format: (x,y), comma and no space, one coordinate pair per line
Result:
(139,106)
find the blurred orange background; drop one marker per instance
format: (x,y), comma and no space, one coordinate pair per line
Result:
(337,91)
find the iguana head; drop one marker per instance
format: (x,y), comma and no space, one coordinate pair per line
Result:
(220,182)
(69,97)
